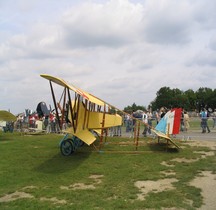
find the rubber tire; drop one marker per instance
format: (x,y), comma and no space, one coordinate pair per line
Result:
(81,143)
(66,147)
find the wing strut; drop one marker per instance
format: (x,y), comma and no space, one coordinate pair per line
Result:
(64,105)
(55,104)
(71,109)
(77,110)
(85,117)
(103,122)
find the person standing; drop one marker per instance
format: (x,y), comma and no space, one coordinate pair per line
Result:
(204,119)
(157,116)
(145,120)
(208,115)
(214,118)
(182,128)
(149,114)
(162,112)
(186,121)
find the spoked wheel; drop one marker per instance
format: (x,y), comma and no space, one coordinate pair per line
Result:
(77,142)
(66,147)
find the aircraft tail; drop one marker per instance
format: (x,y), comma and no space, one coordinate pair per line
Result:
(170,123)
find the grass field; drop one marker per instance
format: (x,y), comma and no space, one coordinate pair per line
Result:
(34,175)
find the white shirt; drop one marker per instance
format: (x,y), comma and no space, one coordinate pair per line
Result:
(145,118)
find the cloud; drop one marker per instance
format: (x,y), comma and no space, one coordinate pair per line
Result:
(121,51)
(206,58)
(111,24)
(168,22)
(212,43)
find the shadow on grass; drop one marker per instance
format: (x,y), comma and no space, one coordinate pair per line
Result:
(8,136)
(162,147)
(59,163)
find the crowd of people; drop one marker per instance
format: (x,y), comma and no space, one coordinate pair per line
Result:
(147,117)
(33,122)
(50,124)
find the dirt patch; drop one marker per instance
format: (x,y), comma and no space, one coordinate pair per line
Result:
(207,183)
(209,144)
(168,173)
(185,160)
(29,187)
(160,185)
(81,186)
(164,163)
(78,186)
(15,196)
(96,178)
(20,195)
(54,200)
(205,154)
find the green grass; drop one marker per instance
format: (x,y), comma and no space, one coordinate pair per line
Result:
(36,161)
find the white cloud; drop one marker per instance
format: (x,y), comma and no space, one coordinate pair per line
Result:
(168,22)
(121,51)
(113,23)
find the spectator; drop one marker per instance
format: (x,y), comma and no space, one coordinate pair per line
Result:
(186,121)
(162,112)
(145,120)
(149,121)
(204,119)
(157,115)
(182,128)
(214,118)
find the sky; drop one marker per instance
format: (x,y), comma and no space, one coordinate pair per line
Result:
(122,51)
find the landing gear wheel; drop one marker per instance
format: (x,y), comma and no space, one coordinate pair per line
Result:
(66,147)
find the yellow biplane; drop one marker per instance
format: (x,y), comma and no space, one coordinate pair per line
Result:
(86,115)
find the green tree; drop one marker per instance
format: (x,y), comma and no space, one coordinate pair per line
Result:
(204,97)
(134,107)
(189,100)
(169,98)
(163,97)
(212,100)
(192,98)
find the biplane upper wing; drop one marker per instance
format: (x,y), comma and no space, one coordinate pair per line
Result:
(6,116)
(82,93)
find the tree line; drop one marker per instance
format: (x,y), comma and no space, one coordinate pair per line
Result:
(189,100)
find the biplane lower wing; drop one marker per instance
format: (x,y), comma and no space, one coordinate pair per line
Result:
(112,120)
(6,116)
(98,131)
(162,135)
(84,135)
